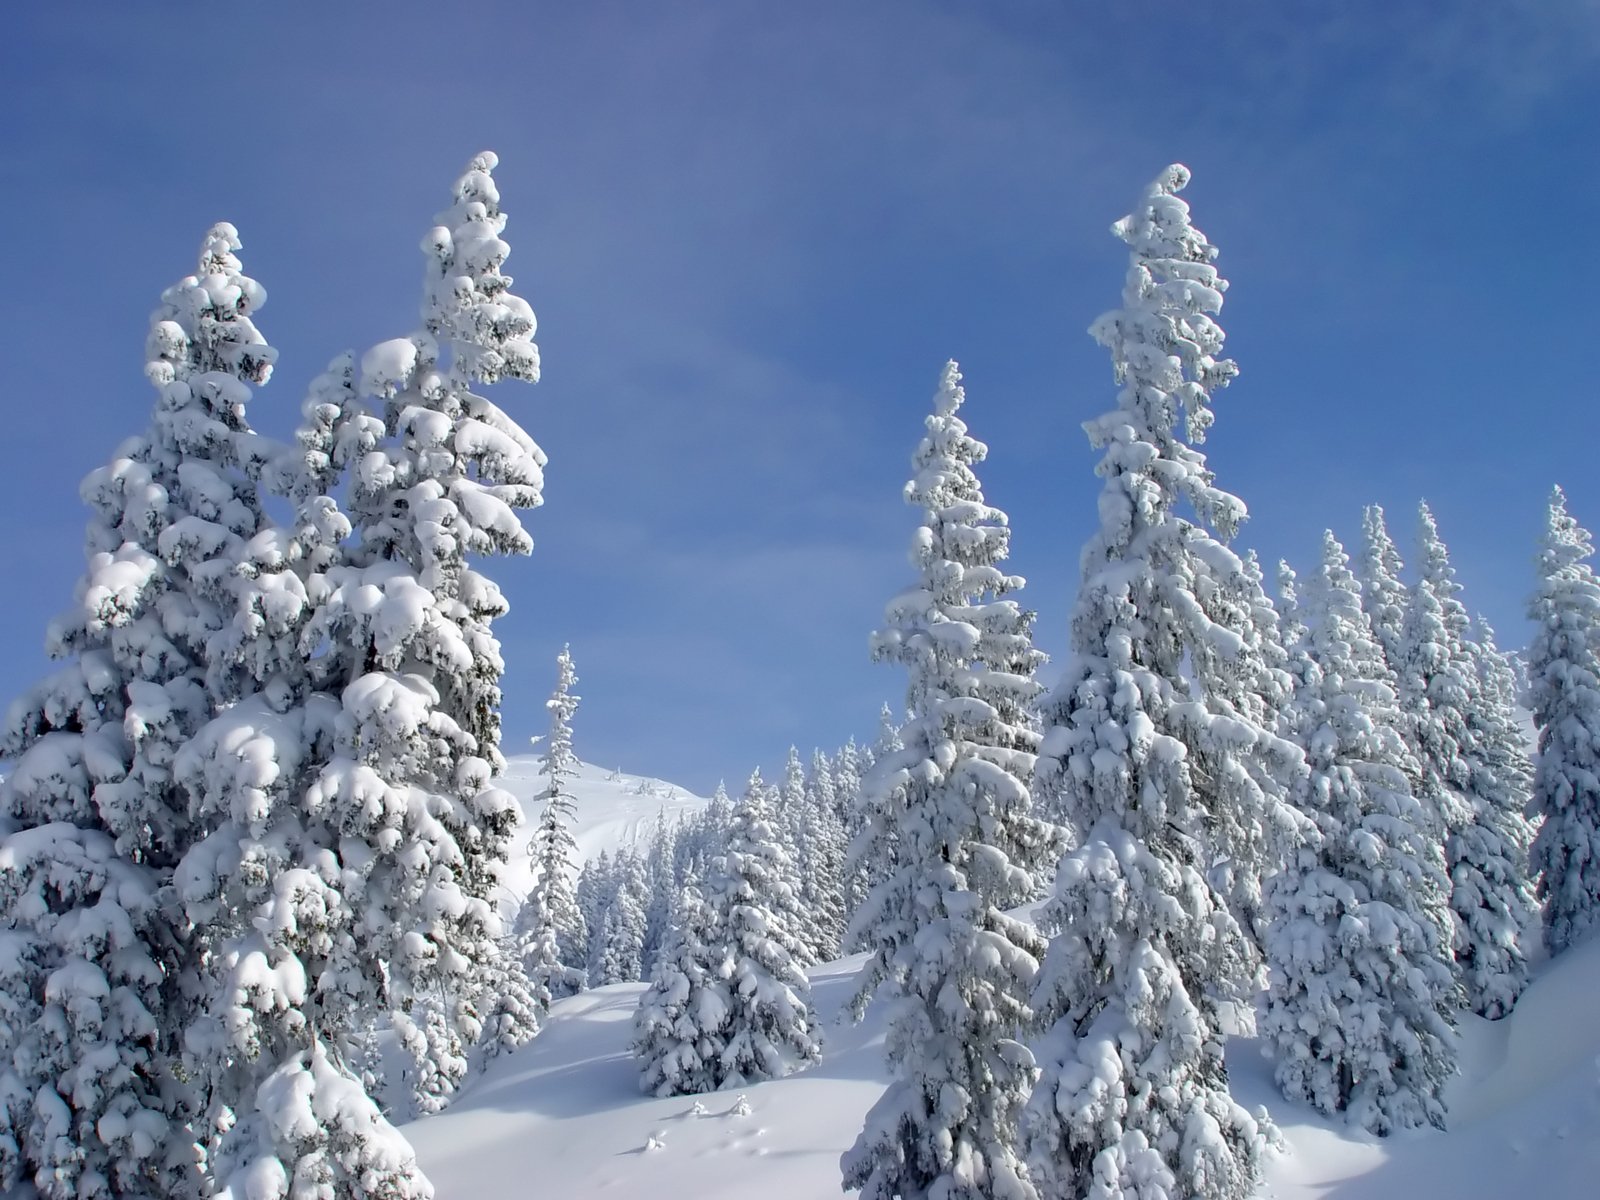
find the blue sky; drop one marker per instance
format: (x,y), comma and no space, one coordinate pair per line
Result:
(753,233)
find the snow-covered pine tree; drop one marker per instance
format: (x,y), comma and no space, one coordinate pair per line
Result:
(593,892)
(662,888)
(89,1104)
(681,1025)
(1564,693)
(1432,687)
(619,950)
(790,803)
(1383,595)
(357,836)
(848,766)
(786,808)
(553,931)
(706,838)
(822,872)
(357,833)
(1142,753)
(1255,684)
(416,619)
(1504,740)
(953,843)
(771,1028)
(1487,850)
(1361,1005)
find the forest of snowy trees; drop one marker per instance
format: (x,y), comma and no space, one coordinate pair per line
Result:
(253,847)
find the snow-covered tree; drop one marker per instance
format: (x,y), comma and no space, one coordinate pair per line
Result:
(662,888)
(771,1028)
(787,813)
(1433,686)
(952,840)
(418,619)
(356,835)
(593,893)
(1383,595)
(553,932)
(1564,692)
(1144,753)
(822,874)
(1504,741)
(1360,1008)
(85,1104)
(681,1025)
(1252,682)
(618,944)
(848,767)
(93,965)
(704,838)
(1487,849)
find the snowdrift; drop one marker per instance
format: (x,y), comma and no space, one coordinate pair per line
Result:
(564,1117)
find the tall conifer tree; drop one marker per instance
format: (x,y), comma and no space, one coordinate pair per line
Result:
(89,1103)
(1564,690)
(953,842)
(552,929)
(1145,754)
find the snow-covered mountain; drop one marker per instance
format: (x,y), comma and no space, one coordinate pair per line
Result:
(565,1117)
(613,810)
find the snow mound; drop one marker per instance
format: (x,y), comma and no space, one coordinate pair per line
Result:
(566,1111)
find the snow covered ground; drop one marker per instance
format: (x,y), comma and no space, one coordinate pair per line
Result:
(613,810)
(564,1117)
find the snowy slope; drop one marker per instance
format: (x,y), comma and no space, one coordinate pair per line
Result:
(564,1117)
(613,810)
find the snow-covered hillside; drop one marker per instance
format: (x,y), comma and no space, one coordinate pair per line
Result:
(564,1117)
(613,810)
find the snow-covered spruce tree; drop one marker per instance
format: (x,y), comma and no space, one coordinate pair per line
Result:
(619,947)
(1252,682)
(356,832)
(1143,753)
(706,837)
(593,892)
(418,618)
(1383,595)
(1504,742)
(662,888)
(1564,692)
(771,1028)
(822,872)
(1434,689)
(553,931)
(681,1025)
(332,867)
(953,843)
(787,814)
(1361,1005)
(848,766)
(1487,851)
(89,1104)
